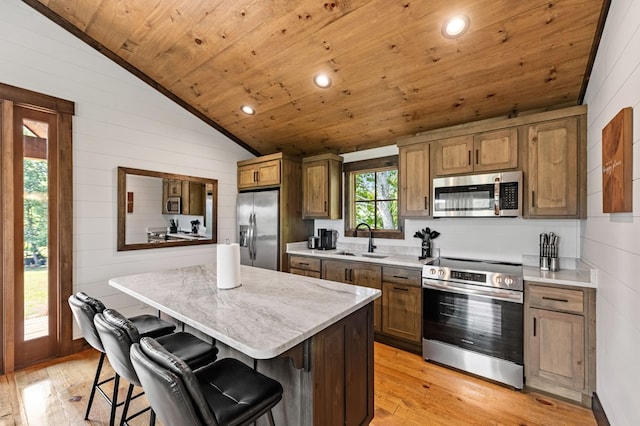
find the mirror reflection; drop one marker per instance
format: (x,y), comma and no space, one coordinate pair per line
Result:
(158,209)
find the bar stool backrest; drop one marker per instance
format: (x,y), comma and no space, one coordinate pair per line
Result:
(84,311)
(118,334)
(170,385)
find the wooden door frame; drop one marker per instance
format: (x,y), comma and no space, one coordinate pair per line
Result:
(64,110)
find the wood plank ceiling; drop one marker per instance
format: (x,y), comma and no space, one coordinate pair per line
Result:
(393,72)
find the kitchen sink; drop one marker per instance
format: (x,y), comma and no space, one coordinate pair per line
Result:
(358,254)
(375,256)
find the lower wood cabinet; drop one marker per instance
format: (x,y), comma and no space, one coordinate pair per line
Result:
(401,302)
(303,265)
(362,274)
(560,340)
(342,370)
(397,315)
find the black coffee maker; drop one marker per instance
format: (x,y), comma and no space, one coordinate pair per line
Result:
(328,239)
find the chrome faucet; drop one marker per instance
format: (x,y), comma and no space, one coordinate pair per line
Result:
(371,246)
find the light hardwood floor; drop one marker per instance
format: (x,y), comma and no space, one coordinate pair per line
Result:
(408,391)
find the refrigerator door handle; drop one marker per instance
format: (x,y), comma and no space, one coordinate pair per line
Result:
(253,237)
(250,237)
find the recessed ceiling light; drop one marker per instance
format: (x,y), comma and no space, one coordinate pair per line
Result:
(248,110)
(455,26)
(322,80)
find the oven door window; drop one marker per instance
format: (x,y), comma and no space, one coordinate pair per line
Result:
(491,327)
(467,198)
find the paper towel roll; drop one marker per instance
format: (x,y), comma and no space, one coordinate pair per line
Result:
(228,266)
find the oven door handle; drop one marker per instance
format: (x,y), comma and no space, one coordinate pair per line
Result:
(497,294)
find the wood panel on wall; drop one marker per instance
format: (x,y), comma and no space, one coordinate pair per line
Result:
(617,163)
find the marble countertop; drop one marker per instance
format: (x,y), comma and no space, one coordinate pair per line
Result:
(268,314)
(390,259)
(571,277)
(573,272)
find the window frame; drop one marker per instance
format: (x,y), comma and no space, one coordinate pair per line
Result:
(372,165)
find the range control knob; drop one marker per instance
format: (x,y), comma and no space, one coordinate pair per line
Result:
(499,280)
(441,273)
(432,271)
(508,281)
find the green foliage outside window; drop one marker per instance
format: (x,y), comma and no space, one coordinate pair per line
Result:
(376,198)
(35,207)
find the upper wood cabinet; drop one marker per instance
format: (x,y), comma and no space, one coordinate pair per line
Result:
(549,147)
(322,187)
(193,198)
(495,150)
(486,151)
(415,180)
(453,155)
(259,172)
(172,187)
(553,183)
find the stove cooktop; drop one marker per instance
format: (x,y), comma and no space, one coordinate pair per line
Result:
(477,265)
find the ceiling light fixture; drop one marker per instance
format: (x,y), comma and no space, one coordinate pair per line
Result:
(455,26)
(322,80)
(248,110)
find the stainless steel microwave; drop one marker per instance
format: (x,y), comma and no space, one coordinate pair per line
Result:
(482,195)
(173,205)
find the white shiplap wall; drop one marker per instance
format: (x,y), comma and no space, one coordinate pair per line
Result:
(119,121)
(612,241)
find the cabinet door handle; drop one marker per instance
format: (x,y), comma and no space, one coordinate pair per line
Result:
(351,275)
(534,326)
(255,176)
(533,198)
(400,288)
(303,264)
(325,206)
(346,275)
(476,156)
(469,160)
(426,203)
(401,277)
(555,299)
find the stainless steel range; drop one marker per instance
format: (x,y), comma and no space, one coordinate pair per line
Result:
(473,317)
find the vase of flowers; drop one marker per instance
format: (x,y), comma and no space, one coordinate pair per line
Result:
(426,235)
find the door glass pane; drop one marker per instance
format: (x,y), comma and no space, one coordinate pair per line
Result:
(36,229)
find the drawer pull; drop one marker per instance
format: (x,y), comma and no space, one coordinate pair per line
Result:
(400,288)
(555,299)
(303,264)
(400,276)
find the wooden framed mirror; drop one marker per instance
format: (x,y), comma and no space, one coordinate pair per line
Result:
(157,209)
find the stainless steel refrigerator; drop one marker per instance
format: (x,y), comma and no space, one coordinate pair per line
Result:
(258,229)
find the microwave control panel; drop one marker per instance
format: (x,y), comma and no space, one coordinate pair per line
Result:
(509,196)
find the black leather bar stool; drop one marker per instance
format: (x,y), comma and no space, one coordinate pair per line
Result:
(84,308)
(225,393)
(117,334)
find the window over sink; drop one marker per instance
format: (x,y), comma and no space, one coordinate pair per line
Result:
(371,197)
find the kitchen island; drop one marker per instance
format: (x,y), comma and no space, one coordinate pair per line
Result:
(314,336)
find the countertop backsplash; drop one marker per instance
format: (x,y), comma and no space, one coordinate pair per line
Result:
(504,239)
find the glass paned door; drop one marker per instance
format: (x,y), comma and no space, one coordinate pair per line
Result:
(35,228)
(35,273)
